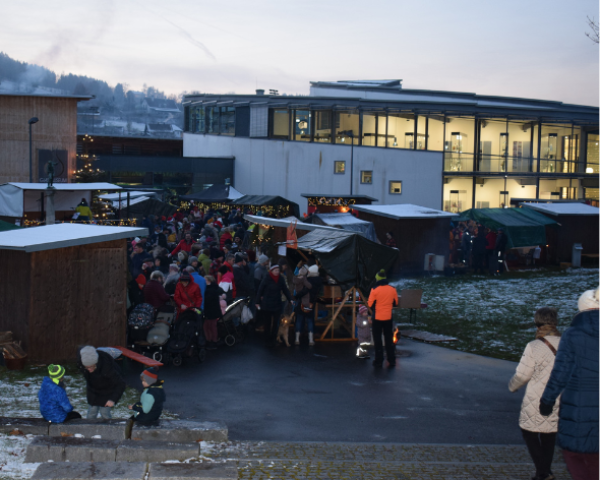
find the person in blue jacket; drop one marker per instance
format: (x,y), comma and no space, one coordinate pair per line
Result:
(575,376)
(54,403)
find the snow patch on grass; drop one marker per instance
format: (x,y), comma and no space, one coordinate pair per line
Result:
(12,454)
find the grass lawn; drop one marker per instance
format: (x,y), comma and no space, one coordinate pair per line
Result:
(493,316)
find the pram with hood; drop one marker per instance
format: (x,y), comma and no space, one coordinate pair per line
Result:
(230,327)
(150,340)
(187,338)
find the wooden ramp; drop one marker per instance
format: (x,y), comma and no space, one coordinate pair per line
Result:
(426,336)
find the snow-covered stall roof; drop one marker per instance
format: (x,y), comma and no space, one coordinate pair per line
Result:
(403,210)
(49,237)
(349,222)
(556,209)
(18,198)
(114,197)
(285,222)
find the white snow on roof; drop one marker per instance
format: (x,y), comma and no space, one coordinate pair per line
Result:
(66,186)
(563,208)
(285,222)
(49,237)
(403,210)
(132,194)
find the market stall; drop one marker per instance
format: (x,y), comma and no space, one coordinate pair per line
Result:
(328,203)
(352,261)
(348,222)
(274,205)
(215,196)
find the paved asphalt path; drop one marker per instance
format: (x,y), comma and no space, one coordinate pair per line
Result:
(323,393)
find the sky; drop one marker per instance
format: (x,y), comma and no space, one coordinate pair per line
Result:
(521,48)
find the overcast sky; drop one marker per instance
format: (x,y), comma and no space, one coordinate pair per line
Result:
(523,48)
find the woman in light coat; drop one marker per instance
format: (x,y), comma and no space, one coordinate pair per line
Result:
(534,369)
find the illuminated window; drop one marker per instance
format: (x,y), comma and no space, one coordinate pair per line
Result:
(366,176)
(396,187)
(339,166)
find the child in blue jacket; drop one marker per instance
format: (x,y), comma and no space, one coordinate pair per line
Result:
(54,403)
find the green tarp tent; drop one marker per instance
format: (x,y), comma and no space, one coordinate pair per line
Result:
(523,227)
(349,258)
(5,226)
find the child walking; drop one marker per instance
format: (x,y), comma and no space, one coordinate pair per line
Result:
(54,403)
(536,364)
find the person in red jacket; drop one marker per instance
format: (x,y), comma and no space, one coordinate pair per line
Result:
(187,293)
(185,245)
(382,299)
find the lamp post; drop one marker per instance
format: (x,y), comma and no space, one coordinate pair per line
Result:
(350,133)
(31,122)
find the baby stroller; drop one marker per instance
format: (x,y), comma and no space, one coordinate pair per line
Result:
(187,339)
(230,327)
(139,323)
(158,335)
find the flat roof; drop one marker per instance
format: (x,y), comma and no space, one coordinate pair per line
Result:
(285,222)
(328,195)
(403,210)
(563,208)
(52,95)
(62,235)
(68,187)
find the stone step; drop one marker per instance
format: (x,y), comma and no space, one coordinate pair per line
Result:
(70,449)
(135,471)
(183,431)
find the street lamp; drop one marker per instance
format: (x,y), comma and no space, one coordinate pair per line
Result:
(350,133)
(31,122)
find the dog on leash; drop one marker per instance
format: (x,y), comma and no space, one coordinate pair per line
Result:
(284,329)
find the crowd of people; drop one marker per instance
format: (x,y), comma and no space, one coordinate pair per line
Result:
(477,247)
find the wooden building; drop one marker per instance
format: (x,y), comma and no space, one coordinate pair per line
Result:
(64,286)
(417,230)
(577,223)
(54,136)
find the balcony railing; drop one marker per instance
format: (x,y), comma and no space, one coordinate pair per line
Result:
(466,162)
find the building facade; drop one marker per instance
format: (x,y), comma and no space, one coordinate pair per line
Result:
(53,137)
(446,150)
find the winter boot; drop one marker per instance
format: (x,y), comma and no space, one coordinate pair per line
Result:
(311,339)
(297,342)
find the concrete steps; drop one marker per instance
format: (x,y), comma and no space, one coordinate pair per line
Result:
(135,471)
(182,431)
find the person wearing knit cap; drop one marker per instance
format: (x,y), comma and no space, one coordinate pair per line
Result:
(382,299)
(105,384)
(575,377)
(150,406)
(54,403)
(268,301)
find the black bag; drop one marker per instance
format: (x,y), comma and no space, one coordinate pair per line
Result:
(141,316)
(184,333)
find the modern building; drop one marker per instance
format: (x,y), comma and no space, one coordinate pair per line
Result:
(444,150)
(53,136)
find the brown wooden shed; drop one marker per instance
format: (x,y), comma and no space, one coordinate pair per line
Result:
(417,231)
(63,286)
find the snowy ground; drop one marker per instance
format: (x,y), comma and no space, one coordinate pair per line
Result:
(494,316)
(12,454)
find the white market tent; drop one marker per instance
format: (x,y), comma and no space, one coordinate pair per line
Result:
(18,198)
(556,209)
(403,210)
(285,223)
(49,237)
(347,221)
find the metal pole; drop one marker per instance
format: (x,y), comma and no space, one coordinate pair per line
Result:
(351,162)
(30,157)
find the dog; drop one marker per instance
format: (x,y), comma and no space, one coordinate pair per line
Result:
(284,329)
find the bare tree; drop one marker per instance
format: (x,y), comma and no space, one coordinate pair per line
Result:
(593,35)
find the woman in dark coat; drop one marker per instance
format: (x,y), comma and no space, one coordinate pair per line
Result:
(575,375)
(269,295)
(212,311)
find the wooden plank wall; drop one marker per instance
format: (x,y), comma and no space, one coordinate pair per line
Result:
(14,293)
(414,237)
(78,298)
(56,129)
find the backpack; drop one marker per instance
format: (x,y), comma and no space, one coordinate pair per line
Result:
(141,316)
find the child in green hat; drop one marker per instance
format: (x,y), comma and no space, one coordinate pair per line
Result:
(54,403)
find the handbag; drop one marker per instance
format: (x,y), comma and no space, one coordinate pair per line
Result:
(308,309)
(246,315)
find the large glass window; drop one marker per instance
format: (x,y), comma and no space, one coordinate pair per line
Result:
(346,128)
(197,121)
(435,140)
(369,130)
(519,147)
(281,124)
(401,130)
(323,126)
(592,154)
(458,145)
(493,145)
(559,149)
(421,140)
(213,120)
(302,119)
(227,121)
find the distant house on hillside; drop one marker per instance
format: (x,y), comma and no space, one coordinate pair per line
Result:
(164,130)
(160,105)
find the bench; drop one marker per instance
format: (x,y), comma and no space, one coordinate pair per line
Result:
(138,357)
